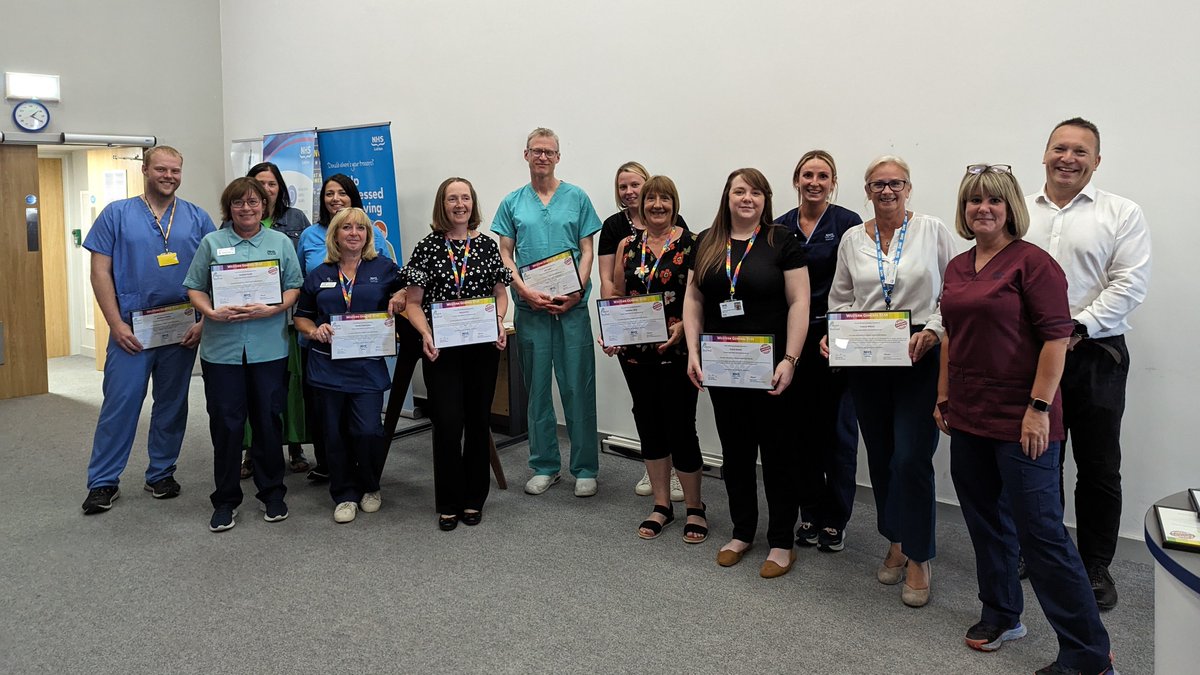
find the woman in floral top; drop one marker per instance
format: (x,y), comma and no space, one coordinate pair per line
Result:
(657,260)
(457,261)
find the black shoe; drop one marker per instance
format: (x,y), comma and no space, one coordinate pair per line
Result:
(806,535)
(100,499)
(276,511)
(472,517)
(1103,587)
(988,638)
(222,519)
(1058,669)
(319,474)
(830,540)
(1022,571)
(166,488)
(447,523)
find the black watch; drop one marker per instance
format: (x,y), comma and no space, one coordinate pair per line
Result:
(1039,405)
(1080,331)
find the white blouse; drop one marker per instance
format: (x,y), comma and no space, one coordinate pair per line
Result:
(928,248)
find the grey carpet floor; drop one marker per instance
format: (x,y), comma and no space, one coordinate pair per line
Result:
(545,584)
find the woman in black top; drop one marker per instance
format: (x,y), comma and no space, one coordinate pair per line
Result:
(456,261)
(656,260)
(745,258)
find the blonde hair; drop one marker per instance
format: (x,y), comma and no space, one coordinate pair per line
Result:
(630,167)
(333,251)
(991,184)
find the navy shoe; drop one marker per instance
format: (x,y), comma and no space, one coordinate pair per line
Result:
(276,511)
(806,534)
(830,540)
(988,638)
(222,519)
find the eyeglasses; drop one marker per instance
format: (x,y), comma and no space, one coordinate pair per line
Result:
(252,203)
(539,152)
(896,184)
(976,169)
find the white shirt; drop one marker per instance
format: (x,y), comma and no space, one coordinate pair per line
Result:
(1102,242)
(928,248)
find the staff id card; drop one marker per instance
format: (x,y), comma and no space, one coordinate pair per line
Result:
(162,326)
(738,361)
(869,338)
(732,307)
(555,275)
(464,322)
(636,320)
(246,283)
(365,335)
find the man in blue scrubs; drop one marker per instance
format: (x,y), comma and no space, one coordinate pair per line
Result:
(141,249)
(554,333)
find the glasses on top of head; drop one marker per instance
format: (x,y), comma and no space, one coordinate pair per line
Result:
(540,152)
(252,203)
(896,184)
(976,169)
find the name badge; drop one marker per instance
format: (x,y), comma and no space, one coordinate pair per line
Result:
(889,273)
(226,251)
(732,308)
(328,284)
(167,258)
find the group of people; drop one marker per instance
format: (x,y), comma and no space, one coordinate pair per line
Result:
(1014,344)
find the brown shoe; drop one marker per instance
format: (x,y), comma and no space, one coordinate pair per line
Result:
(729,558)
(247,467)
(918,597)
(770,569)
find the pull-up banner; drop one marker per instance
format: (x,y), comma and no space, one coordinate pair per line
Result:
(365,155)
(292,152)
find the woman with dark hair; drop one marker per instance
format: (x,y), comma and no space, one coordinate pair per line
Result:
(750,279)
(454,262)
(280,217)
(824,412)
(243,353)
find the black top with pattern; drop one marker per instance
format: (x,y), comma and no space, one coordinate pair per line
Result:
(430,268)
(670,279)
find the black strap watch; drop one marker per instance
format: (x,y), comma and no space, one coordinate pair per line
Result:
(1080,331)
(1039,405)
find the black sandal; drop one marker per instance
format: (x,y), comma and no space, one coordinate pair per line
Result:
(472,517)
(692,528)
(655,526)
(447,523)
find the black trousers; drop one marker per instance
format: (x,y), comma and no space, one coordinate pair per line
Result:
(233,394)
(354,442)
(461,384)
(749,422)
(1093,395)
(664,411)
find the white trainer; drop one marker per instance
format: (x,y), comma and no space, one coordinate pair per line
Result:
(371,502)
(540,483)
(643,488)
(345,512)
(676,488)
(585,487)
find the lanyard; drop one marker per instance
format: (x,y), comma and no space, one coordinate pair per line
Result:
(641,270)
(459,277)
(731,271)
(166,234)
(887,288)
(347,284)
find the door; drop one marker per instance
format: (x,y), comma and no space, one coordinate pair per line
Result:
(54,257)
(22,309)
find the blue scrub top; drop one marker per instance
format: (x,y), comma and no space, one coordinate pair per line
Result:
(125,232)
(260,339)
(312,251)
(821,249)
(321,296)
(542,230)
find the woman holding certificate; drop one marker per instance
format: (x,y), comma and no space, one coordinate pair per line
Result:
(457,279)
(353,286)
(893,264)
(1008,324)
(747,300)
(243,280)
(654,261)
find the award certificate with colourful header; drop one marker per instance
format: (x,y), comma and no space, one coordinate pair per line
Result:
(741,361)
(247,283)
(464,322)
(161,326)
(357,336)
(635,320)
(553,276)
(869,338)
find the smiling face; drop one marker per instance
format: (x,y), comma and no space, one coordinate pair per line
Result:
(629,188)
(745,202)
(815,182)
(247,212)
(889,201)
(542,155)
(267,180)
(335,197)
(986,214)
(1071,158)
(352,236)
(658,210)
(458,205)
(162,174)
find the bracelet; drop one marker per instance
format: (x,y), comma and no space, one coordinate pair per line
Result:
(791,359)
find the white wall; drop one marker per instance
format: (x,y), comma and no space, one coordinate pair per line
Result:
(694,89)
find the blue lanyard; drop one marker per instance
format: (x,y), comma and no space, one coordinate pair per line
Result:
(887,288)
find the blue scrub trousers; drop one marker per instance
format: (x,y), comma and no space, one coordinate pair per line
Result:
(1009,498)
(354,441)
(126,381)
(561,348)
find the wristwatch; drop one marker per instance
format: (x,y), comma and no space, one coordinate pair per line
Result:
(1039,405)
(1080,331)
(791,359)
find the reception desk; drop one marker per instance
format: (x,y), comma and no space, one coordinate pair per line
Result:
(1176,597)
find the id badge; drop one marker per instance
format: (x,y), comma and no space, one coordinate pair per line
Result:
(167,258)
(889,273)
(732,308)
(328,284)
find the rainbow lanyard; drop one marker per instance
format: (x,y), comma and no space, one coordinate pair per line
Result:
(347,284)
(887,288)
(166,234)
(641,270)
(731,271)
(460,278)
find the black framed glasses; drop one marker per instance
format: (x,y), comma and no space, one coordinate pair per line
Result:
(539,152)
(896,185)
(239,203)
(976,169)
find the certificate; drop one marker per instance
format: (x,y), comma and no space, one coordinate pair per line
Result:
(553,276)
(635,320)
(161,326)
(742,361)
(464,322)
(357,336)
(246,283)
(869,338)
(1180,528)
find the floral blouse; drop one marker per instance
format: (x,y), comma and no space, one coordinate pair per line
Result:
(670,279)
(432,268)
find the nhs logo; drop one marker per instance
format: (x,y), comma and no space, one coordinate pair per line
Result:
(378,142)
(306,151)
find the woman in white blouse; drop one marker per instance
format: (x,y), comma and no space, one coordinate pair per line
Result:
(895,262)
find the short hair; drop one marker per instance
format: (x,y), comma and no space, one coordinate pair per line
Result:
(239,188)
(991,184)
(630,167)
(887,159)
(441,223)
(1077,122)
(149,153)
(348,185)
(542,132)
(282,202)
(663,187)
(333,251)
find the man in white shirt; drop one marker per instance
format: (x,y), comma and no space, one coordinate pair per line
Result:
(1103,244)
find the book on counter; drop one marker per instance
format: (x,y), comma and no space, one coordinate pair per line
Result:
(1180,528)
